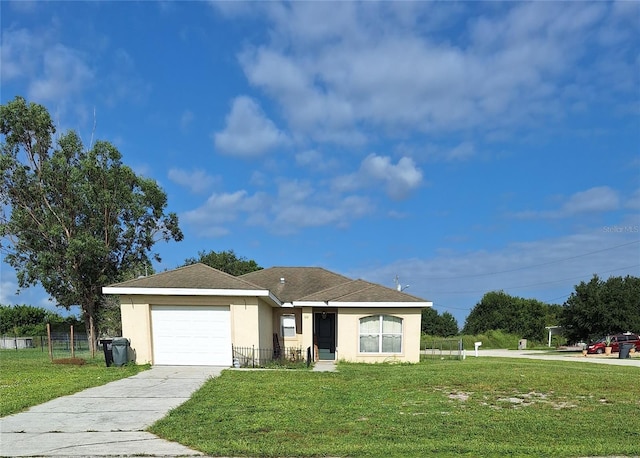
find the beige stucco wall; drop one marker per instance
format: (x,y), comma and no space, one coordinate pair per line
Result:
(136,326)
(265,320)
(348,342)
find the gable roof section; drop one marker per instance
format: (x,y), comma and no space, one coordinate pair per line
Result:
(298,281)
(360,293)
(192,280)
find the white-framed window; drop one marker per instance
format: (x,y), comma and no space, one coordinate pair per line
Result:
(381,334)
(288,324)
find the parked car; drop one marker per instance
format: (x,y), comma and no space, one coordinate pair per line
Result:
(616,340)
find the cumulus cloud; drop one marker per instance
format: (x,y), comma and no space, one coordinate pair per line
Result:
(65,73)
(198,181)
(398,179)
(371,65)
(248,132)
(297,204)
(599,199)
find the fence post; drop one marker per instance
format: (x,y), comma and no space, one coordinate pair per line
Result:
(49,341)
(253,356)
(73,352)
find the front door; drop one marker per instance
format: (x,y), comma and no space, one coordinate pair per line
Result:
(325,335)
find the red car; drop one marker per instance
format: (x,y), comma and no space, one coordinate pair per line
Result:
(616,340)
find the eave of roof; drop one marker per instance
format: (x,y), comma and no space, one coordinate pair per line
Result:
(192,280)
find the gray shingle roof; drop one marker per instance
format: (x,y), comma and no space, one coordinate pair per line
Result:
(360,291)
(312,284)
(194,276)
(298,281)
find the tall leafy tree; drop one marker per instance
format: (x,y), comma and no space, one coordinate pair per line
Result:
(434,324)
(226,261)
(73,219)
(498,310)
(598,308)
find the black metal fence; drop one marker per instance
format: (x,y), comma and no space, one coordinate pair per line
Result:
(265,357)
(443,349)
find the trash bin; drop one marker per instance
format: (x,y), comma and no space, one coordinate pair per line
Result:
(120,350)
(106,348)
(522,344)
(625,348)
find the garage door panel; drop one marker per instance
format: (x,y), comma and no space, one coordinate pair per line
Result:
(184,335)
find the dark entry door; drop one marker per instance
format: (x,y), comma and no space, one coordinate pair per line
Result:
(325,335)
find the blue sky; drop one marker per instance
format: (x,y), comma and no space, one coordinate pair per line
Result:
(462,146)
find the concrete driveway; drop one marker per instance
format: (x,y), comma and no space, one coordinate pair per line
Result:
(108,420)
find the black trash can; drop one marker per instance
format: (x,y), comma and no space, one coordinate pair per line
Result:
(108,352)
(625,348)
(120,350)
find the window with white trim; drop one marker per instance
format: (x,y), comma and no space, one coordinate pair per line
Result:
(381,334)
(288,325)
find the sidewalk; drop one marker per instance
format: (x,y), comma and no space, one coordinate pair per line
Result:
(108,420)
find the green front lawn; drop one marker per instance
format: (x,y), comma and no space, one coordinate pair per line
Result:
(28,378)
(479,407)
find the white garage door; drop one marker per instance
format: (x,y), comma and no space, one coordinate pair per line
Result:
(191,336)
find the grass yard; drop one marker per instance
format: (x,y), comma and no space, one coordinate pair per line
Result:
(28,378)
(479,407)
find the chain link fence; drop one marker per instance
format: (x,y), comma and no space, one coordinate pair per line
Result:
(443,349)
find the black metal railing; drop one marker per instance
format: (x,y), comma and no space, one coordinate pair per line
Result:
(265,357)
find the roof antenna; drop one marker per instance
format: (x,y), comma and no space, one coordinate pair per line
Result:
(399,286)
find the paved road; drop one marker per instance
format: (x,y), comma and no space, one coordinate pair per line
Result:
(559,356)
(106,420)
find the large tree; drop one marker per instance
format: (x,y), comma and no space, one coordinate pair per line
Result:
(598,308)
(226,261)
(434,324)
(74,219)
(516,315)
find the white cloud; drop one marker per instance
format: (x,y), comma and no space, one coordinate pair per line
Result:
(198,181)
(65,73)
(296,205)
(599,199)
(461,152)
(398,179)
(370,66)
(19,53)
(248,132)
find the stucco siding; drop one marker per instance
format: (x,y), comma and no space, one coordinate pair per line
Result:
(245,328)
(265,320)
(348,339)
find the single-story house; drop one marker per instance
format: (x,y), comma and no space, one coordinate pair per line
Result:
(194,314)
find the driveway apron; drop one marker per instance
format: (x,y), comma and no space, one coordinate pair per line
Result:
(108,420)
